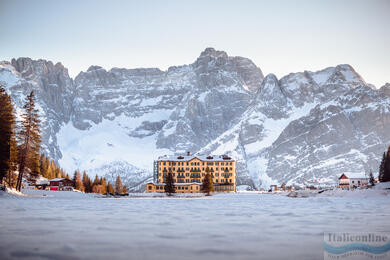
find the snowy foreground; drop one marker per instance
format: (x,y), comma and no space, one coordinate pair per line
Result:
(70,225)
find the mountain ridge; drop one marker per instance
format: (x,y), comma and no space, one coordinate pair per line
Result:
(217,104)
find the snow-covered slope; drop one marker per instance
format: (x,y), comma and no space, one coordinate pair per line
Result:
(305,125)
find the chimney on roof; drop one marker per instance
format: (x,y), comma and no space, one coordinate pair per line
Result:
(188,153)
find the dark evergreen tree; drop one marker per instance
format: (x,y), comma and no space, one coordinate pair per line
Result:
(29,137)
(372,179)
(118,184)
(74,179)
(169,184)
(207,184)
(7,136)
(382,168)
(87,183)
(386,171)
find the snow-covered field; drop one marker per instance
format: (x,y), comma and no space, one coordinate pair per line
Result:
(70,225)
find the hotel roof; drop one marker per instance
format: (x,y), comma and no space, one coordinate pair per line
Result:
(184,158)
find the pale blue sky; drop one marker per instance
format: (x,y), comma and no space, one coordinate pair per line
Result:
(279,36)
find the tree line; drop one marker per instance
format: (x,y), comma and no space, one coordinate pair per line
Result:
(99,185)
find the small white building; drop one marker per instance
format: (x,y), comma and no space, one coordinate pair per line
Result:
(358,182)
(355,181)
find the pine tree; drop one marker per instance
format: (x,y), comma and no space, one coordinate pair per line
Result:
(8,151)
(207,184)
(372,179)
(382,168)
(124,189)
(104,186)
(169,184)
(34,165)
(110,189)
(12,175)
(87,183)
(118,184)
(29,136)
(96,182)
(78,182)
(386,170)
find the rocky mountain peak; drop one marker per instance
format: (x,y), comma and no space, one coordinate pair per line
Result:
(345,73)
(30,68)
(270,99)
(213,64)
(385,89)
(94,67)
(211,52)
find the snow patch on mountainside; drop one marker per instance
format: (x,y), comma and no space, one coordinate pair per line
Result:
(108,142)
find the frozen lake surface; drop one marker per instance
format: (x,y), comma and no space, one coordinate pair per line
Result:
(69,225)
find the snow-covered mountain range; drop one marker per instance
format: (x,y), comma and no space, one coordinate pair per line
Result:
(305,126)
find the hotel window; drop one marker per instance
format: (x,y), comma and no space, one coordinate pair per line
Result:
(164,163)
(231,168)
(187,174)
(187,163)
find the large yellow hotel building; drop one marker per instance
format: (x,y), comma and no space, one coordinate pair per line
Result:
(189,171)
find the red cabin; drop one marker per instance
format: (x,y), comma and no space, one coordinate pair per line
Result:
(61,184)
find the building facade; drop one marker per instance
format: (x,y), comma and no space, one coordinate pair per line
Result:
(351,183)
(61,184)
(189,171)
